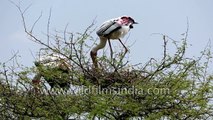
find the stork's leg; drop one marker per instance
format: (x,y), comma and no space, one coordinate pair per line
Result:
(126,50)
(110,46)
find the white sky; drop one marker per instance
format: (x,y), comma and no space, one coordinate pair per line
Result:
(155,16)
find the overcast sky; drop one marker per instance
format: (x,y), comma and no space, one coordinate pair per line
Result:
(155,16)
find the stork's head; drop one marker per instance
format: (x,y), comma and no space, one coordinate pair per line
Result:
(128,21)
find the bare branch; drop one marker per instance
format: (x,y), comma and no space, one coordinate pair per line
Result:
(48,27)
(14,55)
(65,32)
(164,48)
(31,31)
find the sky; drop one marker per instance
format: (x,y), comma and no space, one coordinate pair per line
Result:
(154,16)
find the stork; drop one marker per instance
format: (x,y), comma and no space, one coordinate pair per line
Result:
(54,69)
(113,29)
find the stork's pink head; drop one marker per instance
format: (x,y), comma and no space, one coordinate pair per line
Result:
(128,19)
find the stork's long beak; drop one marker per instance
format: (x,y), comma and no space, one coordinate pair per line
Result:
(135,23)
(94,58)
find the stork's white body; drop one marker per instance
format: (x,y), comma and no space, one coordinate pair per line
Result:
(109,28)
(120,33)
(52,60)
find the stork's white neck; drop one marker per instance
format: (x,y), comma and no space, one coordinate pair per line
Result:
(101,45)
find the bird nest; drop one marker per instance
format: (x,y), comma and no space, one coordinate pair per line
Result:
(120,79)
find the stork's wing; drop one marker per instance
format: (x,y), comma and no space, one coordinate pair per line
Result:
(108,27)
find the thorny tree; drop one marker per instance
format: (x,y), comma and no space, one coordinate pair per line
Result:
(174,87)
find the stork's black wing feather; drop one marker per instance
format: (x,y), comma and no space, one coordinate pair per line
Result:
(107,28)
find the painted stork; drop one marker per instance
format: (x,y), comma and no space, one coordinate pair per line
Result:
(54,69)
(113,29)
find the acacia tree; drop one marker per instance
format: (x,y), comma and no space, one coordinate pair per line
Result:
(174,87)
